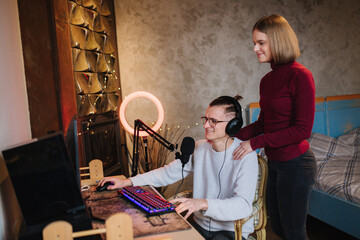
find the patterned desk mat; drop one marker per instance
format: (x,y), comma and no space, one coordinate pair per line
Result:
(103,204)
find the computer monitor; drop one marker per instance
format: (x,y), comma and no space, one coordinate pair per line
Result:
(45,184)
(72,144)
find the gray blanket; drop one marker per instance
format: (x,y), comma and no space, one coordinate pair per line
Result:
(338,163)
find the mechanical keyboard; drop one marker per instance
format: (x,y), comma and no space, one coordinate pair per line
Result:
(148,201)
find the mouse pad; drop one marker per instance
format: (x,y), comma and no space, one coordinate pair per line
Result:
(104,204)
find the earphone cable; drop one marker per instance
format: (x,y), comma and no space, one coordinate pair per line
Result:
(222,167)
(182,180)
(220,178)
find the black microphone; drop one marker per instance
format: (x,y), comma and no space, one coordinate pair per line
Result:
(186,149)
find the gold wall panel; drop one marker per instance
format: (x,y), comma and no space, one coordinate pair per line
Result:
(104,9)
(77,15)
(93,45)
(90,4)
(85,104)
(77,36)
(109,82)
(108,45)
(89,17)
(79,60)
(90,42)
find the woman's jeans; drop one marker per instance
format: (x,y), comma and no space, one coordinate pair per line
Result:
(288,191)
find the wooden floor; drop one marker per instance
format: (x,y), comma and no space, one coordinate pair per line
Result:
(316,230)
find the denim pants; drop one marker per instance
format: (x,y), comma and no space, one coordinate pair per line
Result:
(211,235)
(288,191)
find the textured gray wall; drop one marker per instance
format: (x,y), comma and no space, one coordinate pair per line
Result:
(188,52)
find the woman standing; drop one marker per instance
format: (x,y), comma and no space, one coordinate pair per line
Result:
(287,102)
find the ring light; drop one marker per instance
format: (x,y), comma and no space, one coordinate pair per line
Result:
(149,96)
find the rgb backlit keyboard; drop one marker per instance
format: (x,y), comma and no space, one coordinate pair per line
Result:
(148,201)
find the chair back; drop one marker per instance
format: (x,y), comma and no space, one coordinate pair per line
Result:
(93,173)
(117,227)
(259,205)
(260,218)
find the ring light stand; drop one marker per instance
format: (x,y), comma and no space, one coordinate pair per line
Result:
(142,130)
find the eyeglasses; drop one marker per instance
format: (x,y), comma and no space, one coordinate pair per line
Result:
(212,121)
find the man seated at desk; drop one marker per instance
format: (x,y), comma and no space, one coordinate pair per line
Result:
(223,189)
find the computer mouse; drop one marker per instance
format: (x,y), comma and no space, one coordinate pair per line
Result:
(104,187)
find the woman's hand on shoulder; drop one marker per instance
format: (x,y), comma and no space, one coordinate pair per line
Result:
(242,150)
(117,183)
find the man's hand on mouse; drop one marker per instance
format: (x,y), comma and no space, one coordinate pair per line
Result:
(117,183)
(104,187)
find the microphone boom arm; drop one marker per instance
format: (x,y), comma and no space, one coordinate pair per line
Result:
(155,135)
(141,125)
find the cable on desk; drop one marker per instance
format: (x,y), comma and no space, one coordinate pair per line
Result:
(85,188)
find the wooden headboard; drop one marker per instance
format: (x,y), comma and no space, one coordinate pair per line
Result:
(334,115)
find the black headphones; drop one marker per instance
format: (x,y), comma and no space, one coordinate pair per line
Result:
(236,123)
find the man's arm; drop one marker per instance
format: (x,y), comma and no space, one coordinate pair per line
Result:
(163,176)
(190,205)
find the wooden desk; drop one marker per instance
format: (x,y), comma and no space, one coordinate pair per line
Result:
(165,226)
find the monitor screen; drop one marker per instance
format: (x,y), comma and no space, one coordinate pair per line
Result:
(72,144)
(43,178)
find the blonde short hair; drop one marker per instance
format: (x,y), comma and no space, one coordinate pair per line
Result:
(284,44)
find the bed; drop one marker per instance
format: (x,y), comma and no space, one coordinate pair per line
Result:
(335,140)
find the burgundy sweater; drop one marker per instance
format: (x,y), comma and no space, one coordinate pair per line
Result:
(287,103)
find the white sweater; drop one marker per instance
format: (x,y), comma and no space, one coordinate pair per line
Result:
(238,180)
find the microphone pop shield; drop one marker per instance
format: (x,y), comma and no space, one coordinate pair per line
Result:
(187,148)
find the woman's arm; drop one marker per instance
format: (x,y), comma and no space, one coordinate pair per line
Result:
(252,130)
(247,133)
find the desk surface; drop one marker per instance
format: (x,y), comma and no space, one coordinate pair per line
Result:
(164,226)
